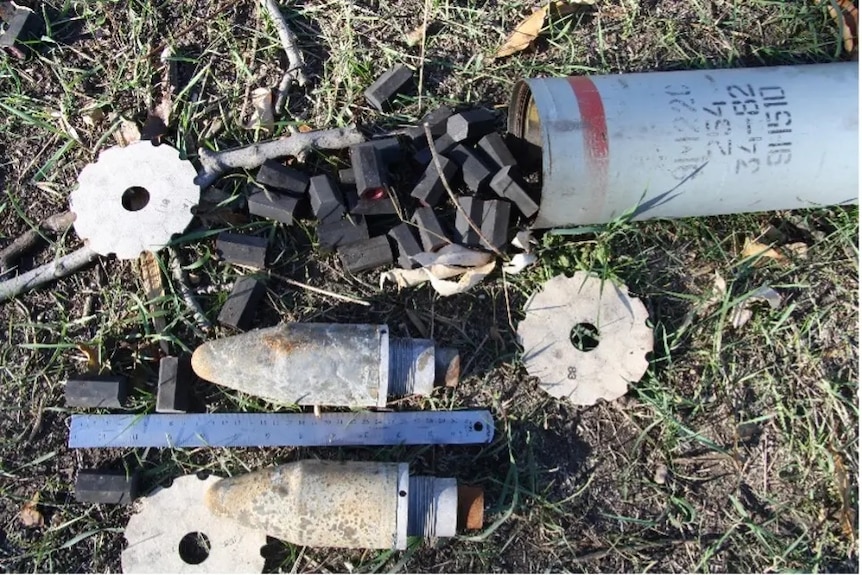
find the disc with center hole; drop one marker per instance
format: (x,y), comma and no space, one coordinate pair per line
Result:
(163,535)
(614,338)
(134,199)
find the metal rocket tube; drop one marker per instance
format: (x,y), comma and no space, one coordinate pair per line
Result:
(690,143)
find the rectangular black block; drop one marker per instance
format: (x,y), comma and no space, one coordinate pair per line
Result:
(495,222)
(474,168)
(97,391)
(274,206)
(430,188)
(242,250)
(508,184)
(351,198)
(430,231)
(406,243)
(436,120)
(333,235)
(389,149)
(112,487)
(241,305)
(346,176)
(175,382)
(442,145)
(470,208)
(366,255)
(471,125)
(383,91)
(327,203)
(279,176)
(368,169)
(494,146)
(383,206)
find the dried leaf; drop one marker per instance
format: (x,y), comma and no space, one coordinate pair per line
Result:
(524,34)
(410,278)
(213,128)
(528,29)
(304,129)
(842,478)
(30,515)
(127,133)
(742,312)
(759,253)
(797,249)
(848,21)
(453,255)
(470,279)
(414,37)
(262,115)
(91,354)
(719,290)
(92,117)
(159,118)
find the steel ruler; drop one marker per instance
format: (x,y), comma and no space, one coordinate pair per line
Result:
(282,429)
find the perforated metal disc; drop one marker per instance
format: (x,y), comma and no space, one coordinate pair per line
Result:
(168,515)
(584,376)
(134,199)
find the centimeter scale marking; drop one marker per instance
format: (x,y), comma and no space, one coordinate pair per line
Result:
(282,429)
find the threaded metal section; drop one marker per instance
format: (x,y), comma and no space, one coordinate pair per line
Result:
(411,366)
(433,506)
(402,369)
(422,510)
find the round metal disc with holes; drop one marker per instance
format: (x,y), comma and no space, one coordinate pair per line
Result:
(173,531)
(134,199)
(585,338)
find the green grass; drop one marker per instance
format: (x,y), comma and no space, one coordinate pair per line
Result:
(757,426)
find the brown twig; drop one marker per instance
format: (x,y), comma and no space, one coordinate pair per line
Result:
(58,268)
(154,289)
(295,73)
(436,159)
(347,298)
(602,553)
(214,164)
(30,239)
(186,292)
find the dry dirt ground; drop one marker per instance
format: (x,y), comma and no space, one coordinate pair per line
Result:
(737,451)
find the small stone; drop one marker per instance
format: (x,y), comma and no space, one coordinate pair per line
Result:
(661,473)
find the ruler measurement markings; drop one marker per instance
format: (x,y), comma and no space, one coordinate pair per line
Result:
(196,430)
